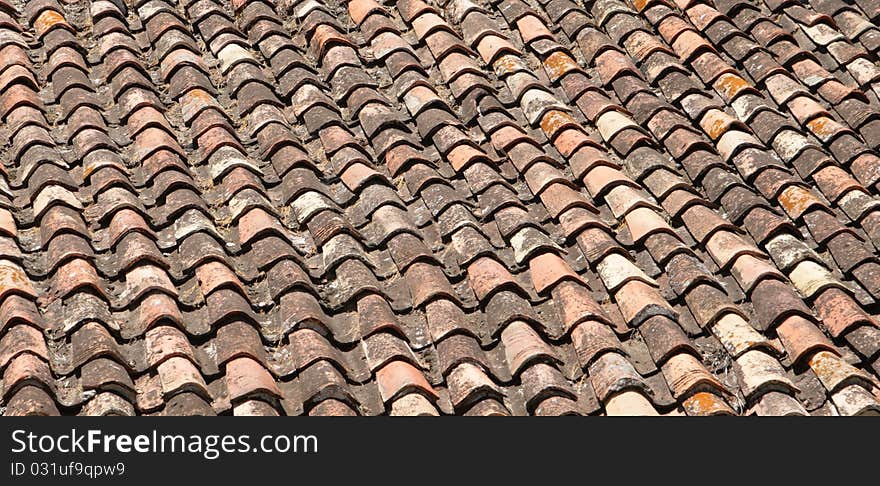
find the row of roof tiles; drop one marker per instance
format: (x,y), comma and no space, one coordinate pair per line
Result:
(490,209)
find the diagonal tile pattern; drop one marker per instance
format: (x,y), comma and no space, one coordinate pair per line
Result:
(492,207)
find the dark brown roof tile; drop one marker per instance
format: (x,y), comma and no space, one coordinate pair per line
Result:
(708,303)
(542,381)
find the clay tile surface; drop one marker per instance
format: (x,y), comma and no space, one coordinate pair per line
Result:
(446,208)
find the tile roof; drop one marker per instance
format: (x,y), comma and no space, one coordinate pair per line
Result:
(472,208)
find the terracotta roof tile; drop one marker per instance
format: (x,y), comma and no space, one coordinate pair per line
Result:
(581,200)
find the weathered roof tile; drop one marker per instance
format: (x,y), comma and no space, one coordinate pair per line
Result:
(336,230)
